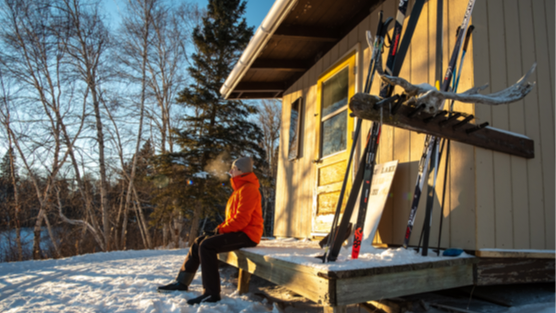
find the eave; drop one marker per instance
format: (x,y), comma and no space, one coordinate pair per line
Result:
(294,36)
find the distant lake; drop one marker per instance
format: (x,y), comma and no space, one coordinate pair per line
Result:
(7,241)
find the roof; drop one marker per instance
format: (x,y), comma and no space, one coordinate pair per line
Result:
(294,35)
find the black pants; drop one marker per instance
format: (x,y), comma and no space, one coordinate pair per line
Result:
(204,252)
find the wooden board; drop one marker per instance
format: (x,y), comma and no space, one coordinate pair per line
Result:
(530,254)
(301,279)
(488,138)
(403,283)
(497,271)
(335,289)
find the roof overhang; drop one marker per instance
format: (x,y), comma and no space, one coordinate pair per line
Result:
(294,35)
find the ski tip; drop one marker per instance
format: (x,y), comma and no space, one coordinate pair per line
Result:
(369,39)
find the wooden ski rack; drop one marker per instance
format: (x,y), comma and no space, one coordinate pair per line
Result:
(456,126)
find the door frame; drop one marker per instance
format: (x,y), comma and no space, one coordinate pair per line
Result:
(350,58)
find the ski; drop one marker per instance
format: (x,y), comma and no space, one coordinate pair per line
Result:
(402,50)
(425,232)
(430,141)
(385,91)
(455,84)
(376,48)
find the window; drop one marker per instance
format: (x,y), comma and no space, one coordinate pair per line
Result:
(335,89)
(296,116)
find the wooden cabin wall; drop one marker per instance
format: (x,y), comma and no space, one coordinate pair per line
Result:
(296,179)
(515,196)
(407,147)
(492,200)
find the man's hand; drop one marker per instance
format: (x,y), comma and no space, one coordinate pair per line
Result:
(209,233)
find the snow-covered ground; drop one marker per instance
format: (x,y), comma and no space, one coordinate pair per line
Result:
(122,281)
(126,281)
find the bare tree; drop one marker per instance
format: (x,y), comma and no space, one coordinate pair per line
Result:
(85,41)
(166,69)
(36,41)
(269,120)
(6,122)
(153,54)
(137,30)
(30,56)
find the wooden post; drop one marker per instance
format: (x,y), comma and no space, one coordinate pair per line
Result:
(243,281)
(335,309)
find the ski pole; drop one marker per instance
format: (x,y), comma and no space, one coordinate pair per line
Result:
(467,38)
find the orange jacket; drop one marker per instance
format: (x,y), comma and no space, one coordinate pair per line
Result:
(243,211)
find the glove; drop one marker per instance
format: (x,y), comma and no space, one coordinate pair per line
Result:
(209,233)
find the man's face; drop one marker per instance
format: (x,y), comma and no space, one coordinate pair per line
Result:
(235,171)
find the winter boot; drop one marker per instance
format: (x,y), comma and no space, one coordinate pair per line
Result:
(203,299)
(181,284)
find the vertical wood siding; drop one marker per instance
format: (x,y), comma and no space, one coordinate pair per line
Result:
(493,200)
(515,196)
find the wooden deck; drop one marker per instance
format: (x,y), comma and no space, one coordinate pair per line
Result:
(498,267)
(337,289)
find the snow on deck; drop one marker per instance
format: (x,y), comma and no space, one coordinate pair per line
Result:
(304,252)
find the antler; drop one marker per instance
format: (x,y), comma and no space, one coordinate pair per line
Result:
(434,98)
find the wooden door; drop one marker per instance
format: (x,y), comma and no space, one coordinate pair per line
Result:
(334,139)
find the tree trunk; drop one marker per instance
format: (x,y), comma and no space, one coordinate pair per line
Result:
(124,223)
(52,238)
(102,166)
(139,224)
(37,236)
(142,221)
(194,231)
(120,209)
(165,231)
(17,207)
(178,226)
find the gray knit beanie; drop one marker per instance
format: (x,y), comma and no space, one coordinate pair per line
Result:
(244,164)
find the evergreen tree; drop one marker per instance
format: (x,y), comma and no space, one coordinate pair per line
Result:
(216,129)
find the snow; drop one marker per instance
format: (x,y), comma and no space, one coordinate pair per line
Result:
(201,174)
(306,251)
(507,132)
(121,281)
(126,281)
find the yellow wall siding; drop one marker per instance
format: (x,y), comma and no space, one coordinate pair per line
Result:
(396,144)
(493,200)
(515,196)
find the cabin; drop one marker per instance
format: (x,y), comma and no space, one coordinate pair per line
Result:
(313,55)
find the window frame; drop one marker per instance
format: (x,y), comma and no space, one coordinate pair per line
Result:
(299,103)
(349,60)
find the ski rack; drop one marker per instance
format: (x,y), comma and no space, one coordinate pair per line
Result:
(458,127)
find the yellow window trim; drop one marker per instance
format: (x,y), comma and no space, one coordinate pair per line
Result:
(347,61)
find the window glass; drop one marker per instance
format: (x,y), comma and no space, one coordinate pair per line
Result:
(334,136)
(295,129)
(335,92)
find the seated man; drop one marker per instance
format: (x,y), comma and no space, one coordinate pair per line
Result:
(242,228)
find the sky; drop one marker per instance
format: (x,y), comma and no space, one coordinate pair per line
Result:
(256,9)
